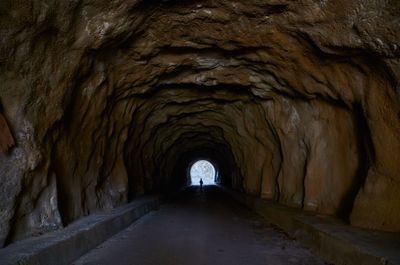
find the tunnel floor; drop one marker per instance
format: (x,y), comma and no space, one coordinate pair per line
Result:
(201,228)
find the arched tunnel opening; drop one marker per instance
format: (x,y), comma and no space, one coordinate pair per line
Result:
(173,170)
(202,171)
(296,103)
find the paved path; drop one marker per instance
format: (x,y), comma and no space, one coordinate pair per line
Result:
(201,229)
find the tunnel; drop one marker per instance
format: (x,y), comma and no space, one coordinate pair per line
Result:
(103,102)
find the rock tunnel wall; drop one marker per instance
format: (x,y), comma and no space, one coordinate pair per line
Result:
(294,101)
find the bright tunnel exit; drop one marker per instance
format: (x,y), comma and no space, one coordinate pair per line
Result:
(202,169)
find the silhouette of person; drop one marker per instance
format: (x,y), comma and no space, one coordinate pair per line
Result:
(201,185)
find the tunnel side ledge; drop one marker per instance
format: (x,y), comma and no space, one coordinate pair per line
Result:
(329,237)
(66,245)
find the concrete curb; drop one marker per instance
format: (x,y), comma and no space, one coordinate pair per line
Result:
(66,245)
(332,239)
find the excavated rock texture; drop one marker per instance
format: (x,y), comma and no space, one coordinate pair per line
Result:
(293,101)
(6,138)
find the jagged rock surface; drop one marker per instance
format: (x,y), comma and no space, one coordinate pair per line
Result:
(294,101)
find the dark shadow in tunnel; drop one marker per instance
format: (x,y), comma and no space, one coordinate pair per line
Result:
(189,150)
(366,158)
(164,169)
(219,157)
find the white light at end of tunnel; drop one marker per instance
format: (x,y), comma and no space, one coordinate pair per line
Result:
(204,170)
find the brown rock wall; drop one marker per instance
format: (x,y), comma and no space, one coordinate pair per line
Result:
(294,101)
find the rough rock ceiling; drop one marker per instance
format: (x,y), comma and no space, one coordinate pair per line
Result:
(294,101)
